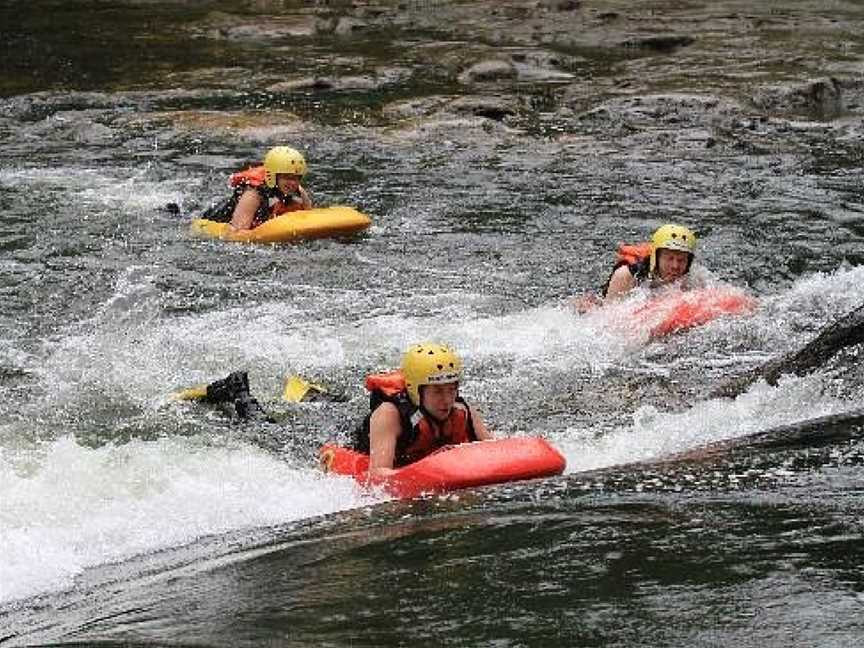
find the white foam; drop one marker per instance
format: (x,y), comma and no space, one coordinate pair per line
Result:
(655,434)
(66,507)
(546,334)
(133,189)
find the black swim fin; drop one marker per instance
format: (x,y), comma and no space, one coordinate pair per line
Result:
(234,389)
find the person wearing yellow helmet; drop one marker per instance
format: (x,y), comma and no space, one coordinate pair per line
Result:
(416,410)
(262,192)
(667,259)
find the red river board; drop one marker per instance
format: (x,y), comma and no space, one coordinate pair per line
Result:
(455,467)
(678,310)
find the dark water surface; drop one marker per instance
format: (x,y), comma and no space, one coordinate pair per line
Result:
(129,519)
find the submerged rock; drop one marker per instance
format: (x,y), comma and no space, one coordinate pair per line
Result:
(226,122)
(673,108)
(347,26)
(377,79)
(545,66)
(493,107)
(415,108)
(219,25)
(822,97)
(491,70)
(559,5)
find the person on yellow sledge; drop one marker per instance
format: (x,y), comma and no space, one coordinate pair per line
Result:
(416,410)
(264,191)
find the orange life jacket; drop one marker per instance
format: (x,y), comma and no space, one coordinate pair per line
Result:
(421,435)
(253,177)
(273,201)
(632,253)
(635,256)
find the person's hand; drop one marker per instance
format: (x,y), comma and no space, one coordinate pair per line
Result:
(304,197)
(378,475)
(587,302)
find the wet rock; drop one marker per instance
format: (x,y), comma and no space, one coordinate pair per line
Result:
(472,62)
(664,43)
(852,93)
(486,71)
(679,122)
(415,108)
(845,332)
(371,11)
(822,97)
(323,84)
(221,25)
(92,133)
(81,126)
(608,16)
(311,84)
(449,127)
(214,77)
(346,26)
(545,58)
(255,32)
(445,60)
(380,78)
(559,5)
(226,122)
(673,108)
(544,66)
(494,108)
(38,104)
(325,25)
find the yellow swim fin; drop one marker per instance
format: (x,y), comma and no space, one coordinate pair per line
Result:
(198,392)
(297,389)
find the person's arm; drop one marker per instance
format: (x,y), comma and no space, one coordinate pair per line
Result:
(620,283)
(305,197)
(480,430)
(384,429)
(244,212)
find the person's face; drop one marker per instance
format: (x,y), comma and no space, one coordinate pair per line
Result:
(671,264)
(287,182)
(439,400)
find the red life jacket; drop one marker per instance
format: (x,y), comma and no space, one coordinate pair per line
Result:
(421,435)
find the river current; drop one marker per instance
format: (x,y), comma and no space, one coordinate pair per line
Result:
(127,518)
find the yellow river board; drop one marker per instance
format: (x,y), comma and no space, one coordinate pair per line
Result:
(323,222)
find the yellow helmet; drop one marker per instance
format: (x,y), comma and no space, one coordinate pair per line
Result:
(672,237)
(429,363)
(283,159)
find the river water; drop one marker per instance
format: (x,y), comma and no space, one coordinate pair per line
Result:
(130,519)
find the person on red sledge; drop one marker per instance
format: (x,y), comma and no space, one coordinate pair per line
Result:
(262,192)
(416,410)
(666,260)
